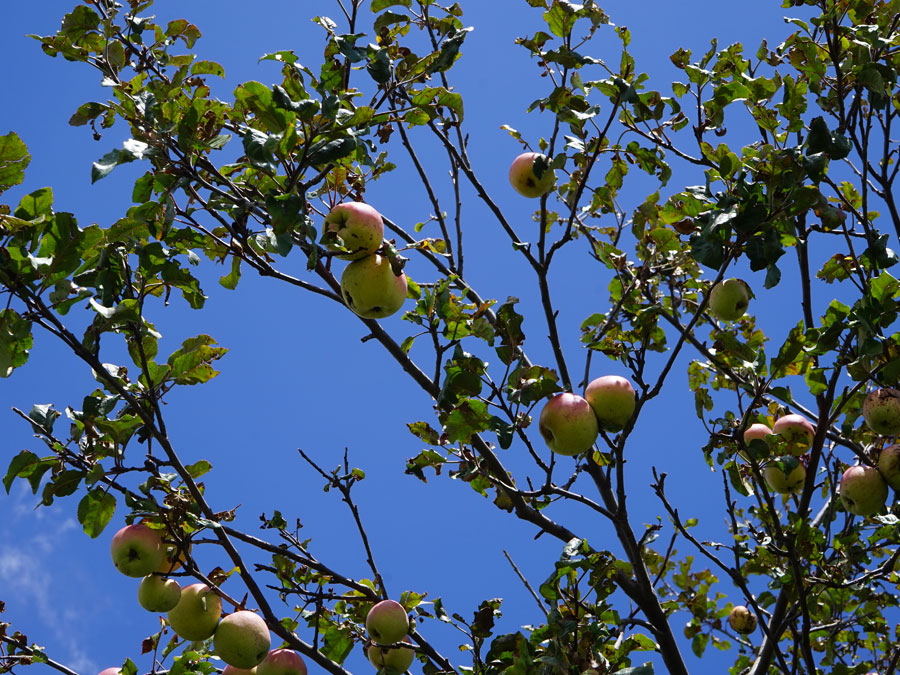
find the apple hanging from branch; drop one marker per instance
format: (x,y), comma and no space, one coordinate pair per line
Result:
(371,289)
(568,424)
(881,411)
(863,490)
(136,550)
(242,639)
(612,399)
(531,176)
(729,299)
(352,230)
(197,613)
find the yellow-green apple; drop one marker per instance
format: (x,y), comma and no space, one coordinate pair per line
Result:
(136,550)
(796,431)
(282,662)
(612,399)
(863,490)
(197,613)
(742,620)
(392,661)
(242,639)
(371,289)
(531,176)
(156,594)
(729,299)
(568,424)
(756,432)
(889,465)
(353,230)
(881,410)
(785,475)
(173,558)
(387,622)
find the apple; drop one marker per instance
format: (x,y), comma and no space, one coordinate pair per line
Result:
(110,671)
(728,299)
(568,424)
(785,475)
(172,559)
(797,432)
(371,289)
(531,176)
(231,670)
(136,550)
(197,612)
(889,465)
(156,594)
(863,490)
(613,402)
(393,661)
(282,662)
(242,639)
(881,410)
(355,227)
(387,622)
(755,432)
(742,620)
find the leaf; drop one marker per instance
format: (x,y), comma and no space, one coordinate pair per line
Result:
(15,341)
(191,363)
(560,18)
(14,158)
(95,510)
(199,468)
(131,150)
(87,112)
(33,206)
(22,465)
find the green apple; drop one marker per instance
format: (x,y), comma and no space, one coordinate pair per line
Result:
(755,432)
(371,289)
(863,490)
(889,465)
(392,661)
(796,431)
(136,550)
(242,639)
(742,620)
(197,613)
(156,594)
(568,424)
(785,475)
(531,176)
(613,402)
(881,410)
(282,662)
(355,227)
(729,299)
(387,622)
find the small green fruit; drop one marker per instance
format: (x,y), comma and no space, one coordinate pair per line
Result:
(371,289)
(729,299)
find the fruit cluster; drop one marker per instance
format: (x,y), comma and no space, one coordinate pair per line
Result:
(354,231)
(241,639)
(570,423)
(388,624)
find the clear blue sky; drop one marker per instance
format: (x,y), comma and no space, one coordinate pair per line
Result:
(297,374)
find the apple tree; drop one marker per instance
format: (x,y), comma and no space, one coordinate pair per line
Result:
(762,182)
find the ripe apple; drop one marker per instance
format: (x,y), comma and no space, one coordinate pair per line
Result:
(355,227)
(889,465)
(728,299)
(231,670)
(613,402)
(797,432)
(282,662)
(371,289)
(156,594)
(568,424)
(110,671)
(863,490)
(742,620)
(242,639)
(531,175)
(755,432)
(881,410)
(785,475)
(387,622)
(197,612)
(136,550)
(393,661)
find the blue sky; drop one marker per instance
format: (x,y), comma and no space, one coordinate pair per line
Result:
(296,374)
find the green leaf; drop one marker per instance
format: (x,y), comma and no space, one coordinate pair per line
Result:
(87,112)
(199,468)
(561,18)
(449,51)
(207,68)
(191,364)
(378,5)
(131,150)
(15,341)
(14,158)
(95,510)
(33,206)
(22,465)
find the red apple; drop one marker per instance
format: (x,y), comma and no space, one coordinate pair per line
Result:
(755,432)
(863,490)
(881,410)
(355,227)
(393,661)
(568,424)
(531,175)
(742,620)
(613,402)
(197,613)
(797,433)
(387,622)
(282,662)
(729,299)
(136,550)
